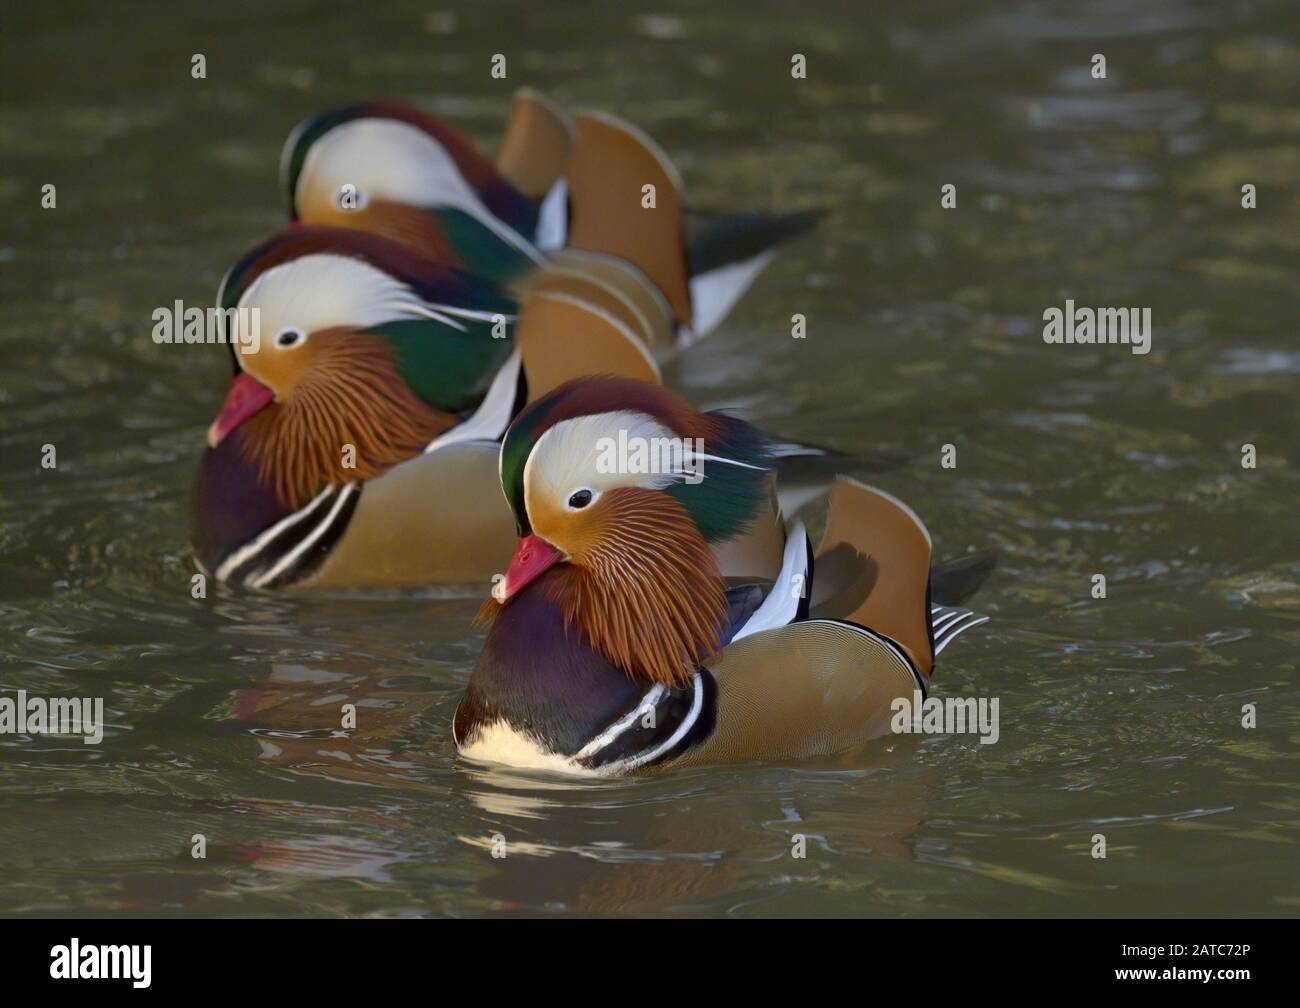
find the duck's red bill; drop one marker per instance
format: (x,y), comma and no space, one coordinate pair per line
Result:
(247,395)
(533,558)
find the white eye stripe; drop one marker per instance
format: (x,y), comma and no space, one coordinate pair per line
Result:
(574,455)
(286,339)
(705,457)
(416,169)
(319,290)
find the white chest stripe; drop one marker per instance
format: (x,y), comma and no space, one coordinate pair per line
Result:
(288,559)
(618,727)
(250,549)
(645,756)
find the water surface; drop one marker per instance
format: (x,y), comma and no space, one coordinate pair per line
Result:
(1119,716)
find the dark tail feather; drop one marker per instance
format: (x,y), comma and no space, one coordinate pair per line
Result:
(726,255)
(804,472)
(720,241)
(795,459)
(954,581)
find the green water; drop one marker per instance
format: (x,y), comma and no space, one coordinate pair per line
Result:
(1119,716)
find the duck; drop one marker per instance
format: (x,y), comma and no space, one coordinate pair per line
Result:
(616,641)
(561,185)
(371,357)
(358,442)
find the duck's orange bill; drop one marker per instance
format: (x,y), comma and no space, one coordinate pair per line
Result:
(533,558)
(247,395)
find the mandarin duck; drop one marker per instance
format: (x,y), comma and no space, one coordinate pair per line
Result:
(369,359)
(617,643)
(558,182)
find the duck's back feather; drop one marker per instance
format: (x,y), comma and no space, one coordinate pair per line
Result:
(535,145)
(889,590)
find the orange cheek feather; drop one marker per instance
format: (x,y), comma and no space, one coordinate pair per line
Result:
(645,589)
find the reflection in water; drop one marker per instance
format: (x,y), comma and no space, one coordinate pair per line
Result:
(523,821)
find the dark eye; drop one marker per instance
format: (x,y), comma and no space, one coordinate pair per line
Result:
(290,338)
(579,499)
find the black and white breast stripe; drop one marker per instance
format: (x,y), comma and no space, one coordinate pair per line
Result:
(664,724)
(294,546)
